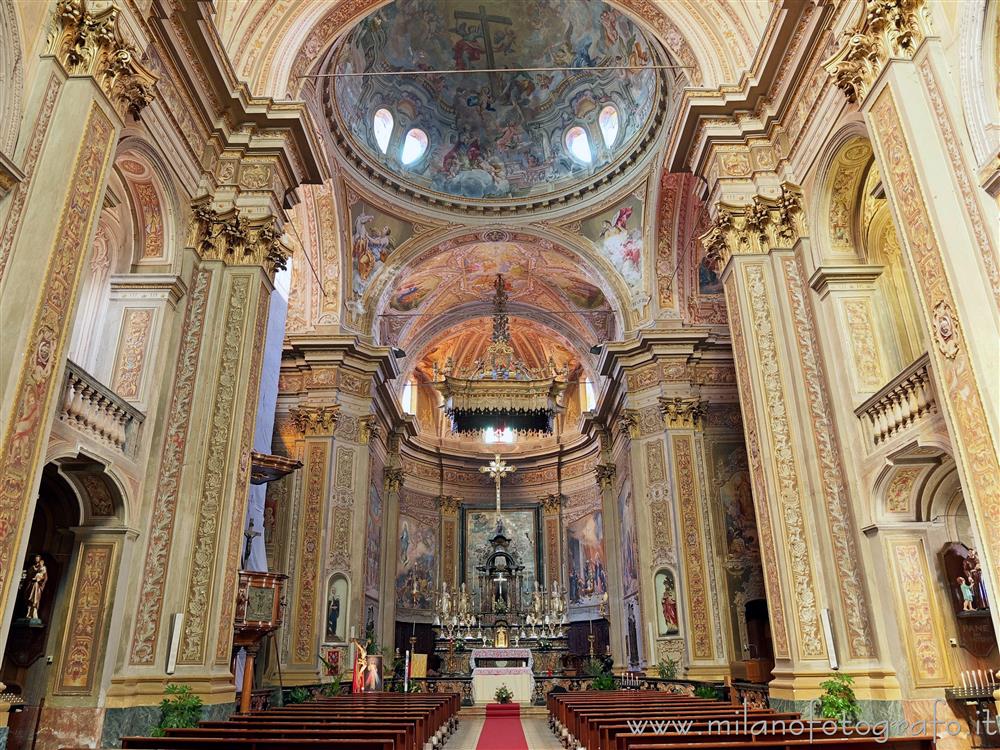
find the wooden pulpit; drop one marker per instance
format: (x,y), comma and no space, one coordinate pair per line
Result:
(260,609)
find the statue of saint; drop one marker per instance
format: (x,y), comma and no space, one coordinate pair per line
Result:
(332,616)
(445,601)
(39,577)
(464,604)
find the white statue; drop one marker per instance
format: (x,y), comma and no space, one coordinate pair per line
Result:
(464,604)
(445,601)
(536,601)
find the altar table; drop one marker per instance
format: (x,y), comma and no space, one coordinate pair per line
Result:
(519,680)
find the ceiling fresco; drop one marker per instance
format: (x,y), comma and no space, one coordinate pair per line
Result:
(545,277)
(490,135)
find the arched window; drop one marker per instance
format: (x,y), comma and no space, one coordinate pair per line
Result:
(410,397)
(382,128)
(608,120)
(414,145)
(578,144)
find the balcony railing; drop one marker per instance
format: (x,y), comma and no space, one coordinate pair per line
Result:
(99,412)
(905,399)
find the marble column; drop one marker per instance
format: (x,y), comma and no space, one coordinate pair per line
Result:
(947,227)
(79,106)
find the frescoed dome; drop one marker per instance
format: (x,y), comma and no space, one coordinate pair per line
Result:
(583,96)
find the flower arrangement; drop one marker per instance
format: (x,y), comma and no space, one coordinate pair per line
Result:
(503,695)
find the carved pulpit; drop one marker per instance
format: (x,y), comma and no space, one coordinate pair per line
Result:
(260,609)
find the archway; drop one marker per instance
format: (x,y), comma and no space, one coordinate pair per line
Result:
(56,655)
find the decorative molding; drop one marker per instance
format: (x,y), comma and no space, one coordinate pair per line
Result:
(889,29)
(368,429)
(683,413)
(313,494)
(92,44)
(233,239)
(695,569)
(316,421)
(137,323)
(754,229)
(85,634)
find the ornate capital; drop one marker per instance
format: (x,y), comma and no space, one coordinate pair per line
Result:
(316,420)
(683,413)
(234,239)
(368,429)
(450,504)
(765,223)
(392,479)
(91,44)
(889,29)
(551,503)
(605,475)
(629,422)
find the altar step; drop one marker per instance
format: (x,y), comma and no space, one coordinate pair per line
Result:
(479,712)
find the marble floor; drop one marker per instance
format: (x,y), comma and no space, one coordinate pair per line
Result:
(536,732)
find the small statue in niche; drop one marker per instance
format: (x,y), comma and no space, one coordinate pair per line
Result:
(249,535)
(464,604)
(38,577)
(965,592)
(332,616)
(445,601)
(973,570)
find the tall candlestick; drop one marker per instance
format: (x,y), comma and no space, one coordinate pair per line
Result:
(652,645)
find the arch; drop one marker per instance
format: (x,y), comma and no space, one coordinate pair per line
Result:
(275,45)
(979,80)
(407,258)
(12,75)
(155,173)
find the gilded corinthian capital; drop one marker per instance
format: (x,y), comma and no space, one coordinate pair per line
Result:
(765,223)
(605,475)
(236,240)
(629,422)
(449,504)
(551,503)
(92,44)
(316,420)
(392,479)
(683,413)
(889,29)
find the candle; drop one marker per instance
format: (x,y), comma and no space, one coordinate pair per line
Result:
(652,645)
(964,684)
(352,632)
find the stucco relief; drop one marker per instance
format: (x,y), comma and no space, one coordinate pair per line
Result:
(308,557)
(696,578)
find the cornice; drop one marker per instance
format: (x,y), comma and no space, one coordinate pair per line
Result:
(829,278)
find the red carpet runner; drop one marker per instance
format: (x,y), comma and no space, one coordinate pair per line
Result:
(502,729)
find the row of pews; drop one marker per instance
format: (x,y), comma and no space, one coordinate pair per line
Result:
(370,721)
(648,720)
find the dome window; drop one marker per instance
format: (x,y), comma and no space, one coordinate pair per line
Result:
(578,144)
(382,124)
(608,120)
(414,146)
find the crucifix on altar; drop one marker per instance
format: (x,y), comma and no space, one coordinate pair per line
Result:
(497,470)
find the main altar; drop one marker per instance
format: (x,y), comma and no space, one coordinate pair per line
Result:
(509,627)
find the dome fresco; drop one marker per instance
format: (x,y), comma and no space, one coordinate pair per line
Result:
(482,136)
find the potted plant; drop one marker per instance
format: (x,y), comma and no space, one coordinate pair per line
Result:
(298,695)
(706,691)
(179,710)
(839,701)
(503,695)
(667,669)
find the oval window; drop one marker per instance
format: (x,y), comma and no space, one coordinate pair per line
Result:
(578,144)
(608,120)
(414,146)
(382,128)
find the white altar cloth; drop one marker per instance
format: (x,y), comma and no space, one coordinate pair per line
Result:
(519,680)
(501,653)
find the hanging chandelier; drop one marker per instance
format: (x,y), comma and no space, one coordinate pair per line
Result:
(499,391)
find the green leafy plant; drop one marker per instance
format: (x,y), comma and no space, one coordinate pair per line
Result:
(179,710)
(298,695)
(333,689)
(839,701)
(503,695)
(459,646)
(706,691)
(667,668)
(605,681)
(544,646)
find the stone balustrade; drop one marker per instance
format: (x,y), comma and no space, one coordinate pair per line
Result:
(98,411)
(905,399)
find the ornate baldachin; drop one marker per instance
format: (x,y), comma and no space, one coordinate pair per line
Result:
(232,238)
(316,420)
(889,29)
(756,228)
(92,44)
